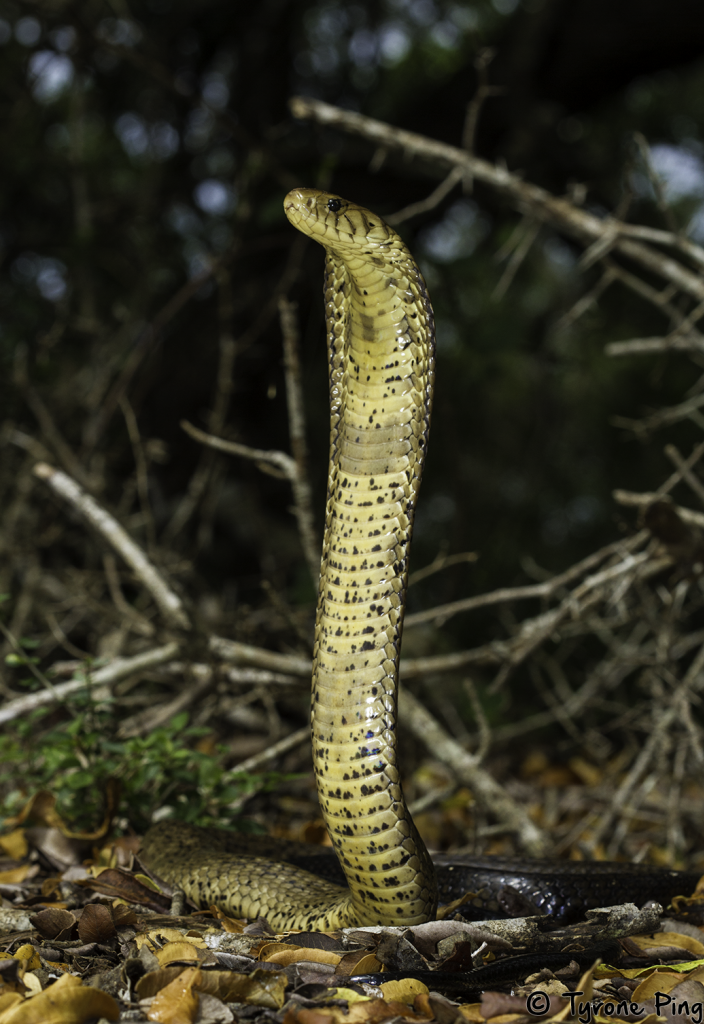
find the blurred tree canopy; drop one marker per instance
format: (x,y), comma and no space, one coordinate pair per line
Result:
(147,147)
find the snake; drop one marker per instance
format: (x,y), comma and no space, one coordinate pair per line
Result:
(381,361)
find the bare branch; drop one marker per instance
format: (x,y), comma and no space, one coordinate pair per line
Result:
(434,199)
(663,417)
(99,681)
(107,526)
(487,790)
(532,230)
(687,474)
(526,197)
(439,563)
(302,496)
(442,613)
(290,742)
(283,462)
(644,346)
(687,515)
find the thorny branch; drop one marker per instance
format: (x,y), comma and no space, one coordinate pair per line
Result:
(634,606)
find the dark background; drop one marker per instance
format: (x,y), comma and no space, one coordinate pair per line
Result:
(143,140)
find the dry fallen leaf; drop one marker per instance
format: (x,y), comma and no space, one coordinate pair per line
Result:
(133,888)
(158,937)
(692,945)
(15,844)
(403,991)
(54,923)
(230,924)
(292,955)
(67,1001)
(264,951)
(260,988)
(96,924)
(152,982)
(177,1003)
(15,876)
(178,951)
(28,957)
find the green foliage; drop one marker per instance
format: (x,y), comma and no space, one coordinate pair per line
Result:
(75,758)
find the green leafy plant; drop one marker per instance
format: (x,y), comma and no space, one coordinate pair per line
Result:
(162,771)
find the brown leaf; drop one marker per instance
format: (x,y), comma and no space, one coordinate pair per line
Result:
(421,1005)
(153,982)
(122,915)
(50,886)
(117,882)
(496,1004)
(177,1003)
(358,962)
(460,958)
(230,924)
(96,924)
(53,923)
(260,988)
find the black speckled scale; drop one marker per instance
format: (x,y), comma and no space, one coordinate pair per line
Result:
(381,347)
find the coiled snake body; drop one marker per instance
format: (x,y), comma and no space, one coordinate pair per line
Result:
(381,359)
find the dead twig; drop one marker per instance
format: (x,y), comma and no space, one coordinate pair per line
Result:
(168,602)
(528,198)
(468,771)
(302,496)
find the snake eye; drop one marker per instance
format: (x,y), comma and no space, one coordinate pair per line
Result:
(334,205)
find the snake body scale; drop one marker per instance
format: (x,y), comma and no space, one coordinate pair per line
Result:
(381,347)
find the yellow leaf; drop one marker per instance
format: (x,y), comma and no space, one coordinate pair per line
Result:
(56,967)
(297,955)
(177,951)
(29,957)
(367,965)
(149,882)
(156,938)
(230,924)
(8,1000)
(403,991)
(15,875)
(67,1001)
(15,986)
(265,951)
(348,994)
(472,1011)
(177,1003)
(32,984)
(15,844)
(661,982)
(670,939)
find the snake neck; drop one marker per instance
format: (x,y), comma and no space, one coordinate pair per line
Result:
(381,348)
